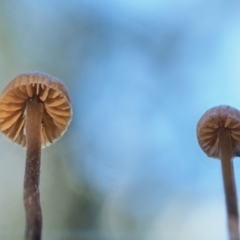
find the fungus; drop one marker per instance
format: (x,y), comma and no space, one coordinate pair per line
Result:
(218,134)
(35,110)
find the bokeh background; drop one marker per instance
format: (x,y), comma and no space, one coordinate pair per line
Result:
(140,74)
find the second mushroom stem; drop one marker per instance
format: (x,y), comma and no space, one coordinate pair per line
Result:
(226,153)
(34,111)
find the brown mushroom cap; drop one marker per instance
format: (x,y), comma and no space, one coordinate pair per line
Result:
(51,92)
(209,124)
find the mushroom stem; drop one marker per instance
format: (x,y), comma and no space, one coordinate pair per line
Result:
(226,154)
(34,111)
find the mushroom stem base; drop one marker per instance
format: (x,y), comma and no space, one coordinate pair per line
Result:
(226,154)
(34,111)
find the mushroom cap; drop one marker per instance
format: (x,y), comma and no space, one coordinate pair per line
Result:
(209,124)
(51,92)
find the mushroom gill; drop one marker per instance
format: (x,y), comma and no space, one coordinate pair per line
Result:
(211,122)
(56,107)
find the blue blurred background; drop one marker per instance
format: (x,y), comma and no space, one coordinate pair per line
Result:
(140,75)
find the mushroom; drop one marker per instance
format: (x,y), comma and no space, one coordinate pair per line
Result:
(35,110)
(218,134)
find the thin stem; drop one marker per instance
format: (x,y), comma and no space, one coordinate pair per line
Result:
(226,153)
(34,111)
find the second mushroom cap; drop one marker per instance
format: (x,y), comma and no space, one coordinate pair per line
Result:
(209,124)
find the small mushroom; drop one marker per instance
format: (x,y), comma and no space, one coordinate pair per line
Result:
(218,134)
(35,110)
